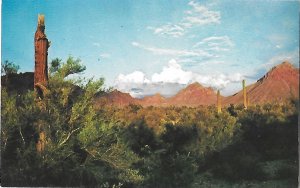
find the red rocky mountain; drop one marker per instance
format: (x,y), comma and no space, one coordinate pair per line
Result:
(194,95)
(115,98)
(155,100)
(280,84)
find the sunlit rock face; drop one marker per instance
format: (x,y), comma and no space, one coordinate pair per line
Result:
(280,84)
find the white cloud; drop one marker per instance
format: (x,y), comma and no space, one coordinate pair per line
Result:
(139,90)
(135,43)
(236,77)
(169,29)
(198,15)
(207,49)
(173,52)
(173,74)
(134,77)
(170,80)
(219,81)
(217,43)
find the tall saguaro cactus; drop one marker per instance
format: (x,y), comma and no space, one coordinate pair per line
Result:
(245,94)
(219,105)
(41,45)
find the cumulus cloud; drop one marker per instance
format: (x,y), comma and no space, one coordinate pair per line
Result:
(219,81)
(198,15)
(139,90)
(170,80)
(173,73)
(134,77)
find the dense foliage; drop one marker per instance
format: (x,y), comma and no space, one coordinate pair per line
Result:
(141,147)
(8,68)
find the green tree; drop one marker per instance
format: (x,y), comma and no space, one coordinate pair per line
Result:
(8,68)
(72,66)
(81,149)
(55,65)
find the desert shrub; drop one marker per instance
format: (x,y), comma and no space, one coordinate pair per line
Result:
(141,147)
(140,138)
(267,134)
(81,149)
(165,170)
(176,138)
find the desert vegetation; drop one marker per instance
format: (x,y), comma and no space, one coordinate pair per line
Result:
(135,146)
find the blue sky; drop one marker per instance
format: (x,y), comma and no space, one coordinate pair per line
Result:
(158,46)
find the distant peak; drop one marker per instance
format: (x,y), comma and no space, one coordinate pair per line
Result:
(115,91)
(285,64)
(196,87)
(157,95)
(280,71)
(195,84)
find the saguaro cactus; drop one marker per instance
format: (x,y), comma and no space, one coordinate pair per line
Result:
(219,105)
(41,45)
(245,94)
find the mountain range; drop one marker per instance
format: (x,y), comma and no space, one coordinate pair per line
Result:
(280,84)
